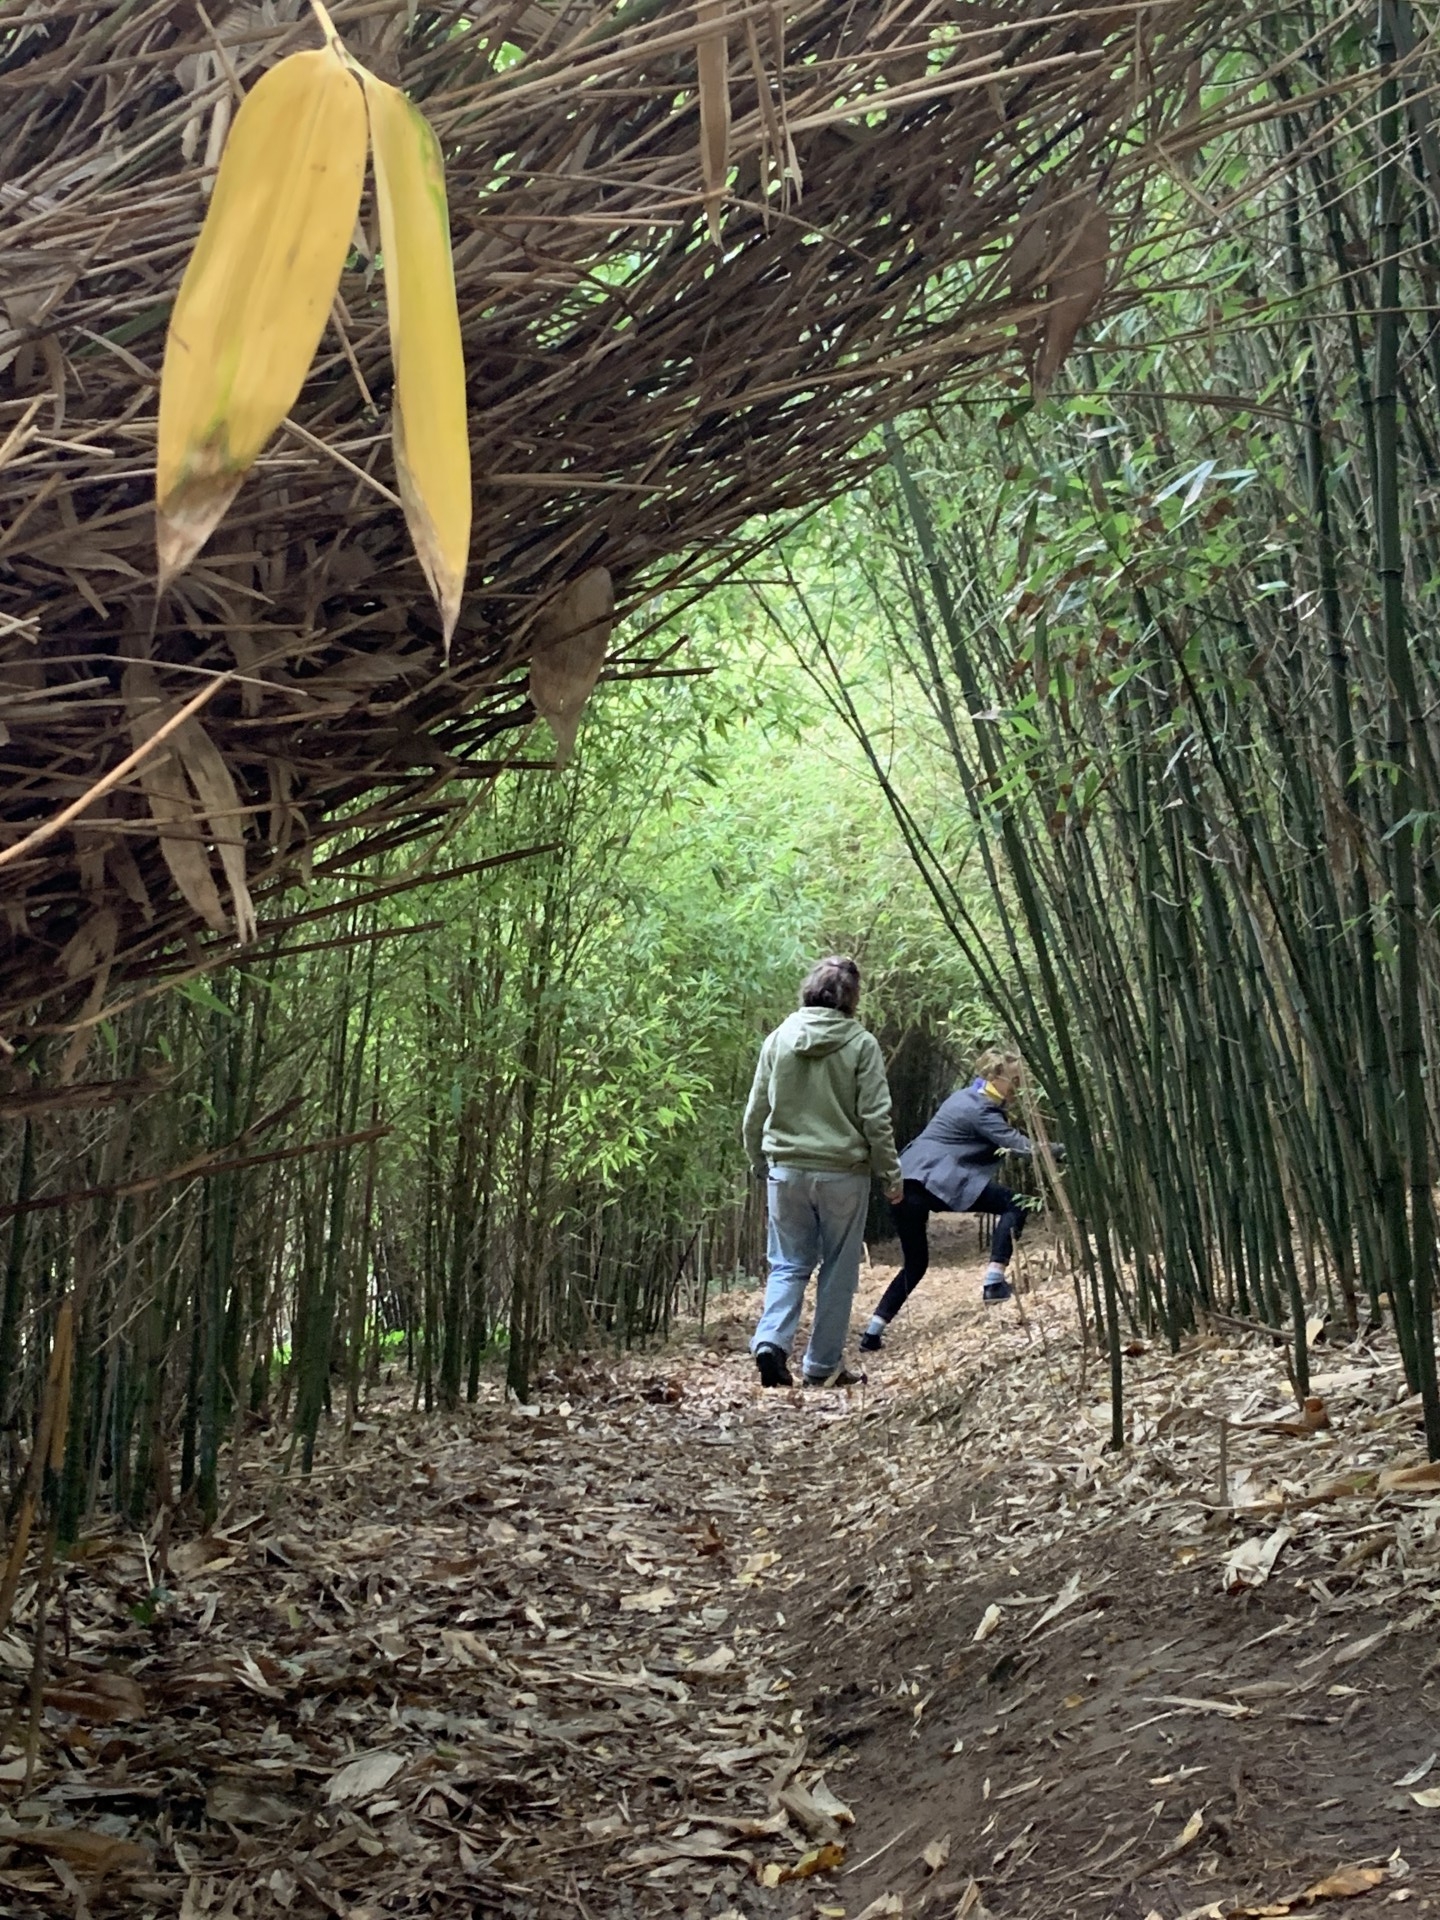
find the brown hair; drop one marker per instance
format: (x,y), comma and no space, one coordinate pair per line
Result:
(834,982)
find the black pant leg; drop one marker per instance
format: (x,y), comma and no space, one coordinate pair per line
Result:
(912,1220)
(1009,1220)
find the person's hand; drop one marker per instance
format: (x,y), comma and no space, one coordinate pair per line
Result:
(895,1196)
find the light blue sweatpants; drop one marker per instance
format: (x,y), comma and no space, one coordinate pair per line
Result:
(815,1220)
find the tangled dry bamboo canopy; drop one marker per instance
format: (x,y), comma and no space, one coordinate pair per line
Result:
(701,250)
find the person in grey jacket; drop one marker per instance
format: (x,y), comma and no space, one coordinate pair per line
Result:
(817,1125)
(948,1169)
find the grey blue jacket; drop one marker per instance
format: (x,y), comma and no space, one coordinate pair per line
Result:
(956,1156)
(820,1100)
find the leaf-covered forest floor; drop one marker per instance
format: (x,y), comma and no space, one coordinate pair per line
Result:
(662,1639)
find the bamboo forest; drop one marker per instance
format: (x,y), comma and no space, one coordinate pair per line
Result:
(720,959)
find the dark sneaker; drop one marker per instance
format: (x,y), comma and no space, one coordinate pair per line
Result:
(871,1342)
(841,1377)
(996,1290)
(774,1367)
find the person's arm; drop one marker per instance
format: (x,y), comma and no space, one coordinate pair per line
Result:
(1001,1135)
(757,1112)
(872,1091)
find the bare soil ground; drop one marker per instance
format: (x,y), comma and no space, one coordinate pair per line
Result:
(664,1644)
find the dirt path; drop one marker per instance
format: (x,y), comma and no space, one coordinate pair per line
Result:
(663,1638)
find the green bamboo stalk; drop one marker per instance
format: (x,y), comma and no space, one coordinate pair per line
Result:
(1406,721)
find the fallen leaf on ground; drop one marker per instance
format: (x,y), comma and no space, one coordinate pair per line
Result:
(368,1774)
(201,1555)
(655,1601)
(937,1853)
(989,1620)
(1251,1563)
(1063,1601)
(1397,1479)
(1344,1883)
(1427,1797)
(104,1697)
(704,1844)
(1357,1649)
(367,1542)
(881,1909)
(823,1859)
(1228,1709)
(1186,1837)
(1314,1416)
(97,1853)
(243,1806)
(815,1808)
(757,1564)
(1416,1773)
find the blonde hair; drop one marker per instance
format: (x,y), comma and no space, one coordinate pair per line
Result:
(1001,1063)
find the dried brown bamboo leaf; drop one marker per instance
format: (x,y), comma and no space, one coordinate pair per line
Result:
(1031,249)
(713,63)
(100,1854)
(207,772)
(175,817)
(571,636)
(1077,283)
(91,945)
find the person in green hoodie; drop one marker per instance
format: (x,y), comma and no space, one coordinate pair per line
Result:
(817,1125)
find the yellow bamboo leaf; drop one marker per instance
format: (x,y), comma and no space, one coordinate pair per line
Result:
(258,290)
(431,429)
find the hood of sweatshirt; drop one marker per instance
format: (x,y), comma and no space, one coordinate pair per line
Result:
(818,1030)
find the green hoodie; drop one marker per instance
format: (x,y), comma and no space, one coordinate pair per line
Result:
(820,1100)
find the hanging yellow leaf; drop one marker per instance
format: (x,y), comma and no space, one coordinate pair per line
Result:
(257,292)
(432,443)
